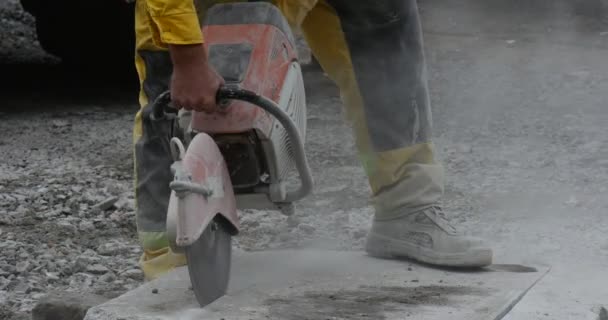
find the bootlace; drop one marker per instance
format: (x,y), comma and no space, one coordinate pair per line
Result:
(439,212)
(441,219)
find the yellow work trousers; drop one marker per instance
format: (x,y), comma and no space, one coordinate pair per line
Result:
(373,50)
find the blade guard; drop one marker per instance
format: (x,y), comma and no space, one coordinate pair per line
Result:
(201,190)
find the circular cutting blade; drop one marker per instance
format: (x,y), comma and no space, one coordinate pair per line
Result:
(209,260)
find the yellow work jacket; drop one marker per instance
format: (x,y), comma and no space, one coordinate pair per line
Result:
(173,22)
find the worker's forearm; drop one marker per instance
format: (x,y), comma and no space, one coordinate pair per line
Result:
(184,56)
(194,83)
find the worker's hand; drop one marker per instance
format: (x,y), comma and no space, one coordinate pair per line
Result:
(194,83)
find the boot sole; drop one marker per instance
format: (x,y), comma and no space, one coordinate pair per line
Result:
(384,247)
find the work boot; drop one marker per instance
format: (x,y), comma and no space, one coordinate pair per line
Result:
(426,236)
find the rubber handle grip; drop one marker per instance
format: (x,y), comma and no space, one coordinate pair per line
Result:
(161,106)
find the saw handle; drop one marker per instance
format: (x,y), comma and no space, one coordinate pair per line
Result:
(161,107)
(234,92)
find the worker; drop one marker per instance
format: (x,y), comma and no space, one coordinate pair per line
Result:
(373,51)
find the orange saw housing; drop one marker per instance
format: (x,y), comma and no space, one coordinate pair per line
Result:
(252,46)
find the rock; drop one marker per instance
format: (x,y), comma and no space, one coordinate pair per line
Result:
(38,296)
(80,264)
(97,269)
(61,264)
(21,286)
(125,203)
(3,297)
(22,266)
(4,282)
(308,229)
(86,225)
(115,217)
(19,197)
(111,248)
(92,198)
(66,227)
(90,253)
(134,274)
(60,123)
(50,266)
(52,276)
(105,204)
(81,280)
(65,306)
(46,256)
(603,314)
(7,269)
(108,277)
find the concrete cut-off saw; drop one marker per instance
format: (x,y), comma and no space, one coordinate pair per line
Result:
(242,156)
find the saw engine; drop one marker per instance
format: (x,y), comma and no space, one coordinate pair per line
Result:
(251,46)
(244,156)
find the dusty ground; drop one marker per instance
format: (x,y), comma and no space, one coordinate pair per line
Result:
(520,102)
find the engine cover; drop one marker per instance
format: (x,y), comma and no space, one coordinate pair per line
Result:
(251,44)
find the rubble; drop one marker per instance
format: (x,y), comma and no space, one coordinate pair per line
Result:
(97,269)
(18,41)
(106,204)
(63,305)
(59,224)
(134,274)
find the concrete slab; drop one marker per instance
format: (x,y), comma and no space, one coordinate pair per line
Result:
(298,285)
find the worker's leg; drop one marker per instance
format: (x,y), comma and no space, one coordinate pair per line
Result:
(152,155)
(373,50)
(386,101)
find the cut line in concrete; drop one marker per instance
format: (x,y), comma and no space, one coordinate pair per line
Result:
(298,285)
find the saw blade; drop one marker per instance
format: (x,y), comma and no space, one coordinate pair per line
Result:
(209,260)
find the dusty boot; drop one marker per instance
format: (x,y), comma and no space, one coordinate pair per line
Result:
(426,236)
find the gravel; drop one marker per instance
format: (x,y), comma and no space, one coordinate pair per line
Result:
(66,211)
